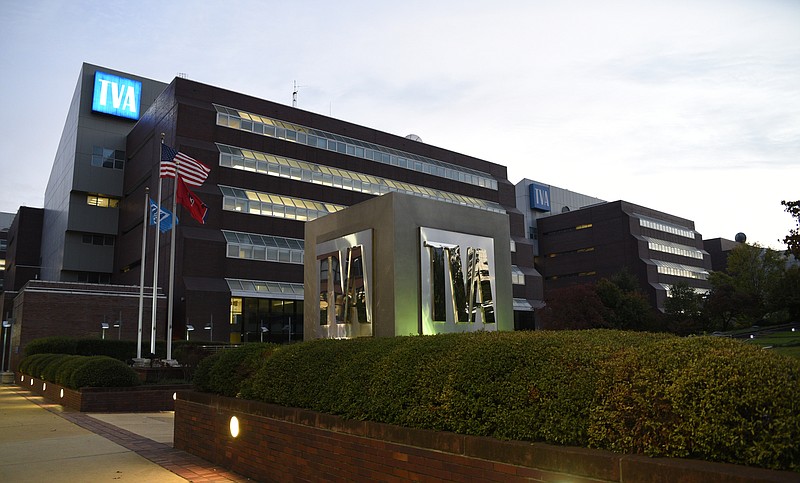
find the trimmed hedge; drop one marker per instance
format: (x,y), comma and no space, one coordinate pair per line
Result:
(186,352)
(75,371)
(224,372)
(706,398)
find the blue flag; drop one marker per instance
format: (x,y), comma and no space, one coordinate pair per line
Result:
(165,220)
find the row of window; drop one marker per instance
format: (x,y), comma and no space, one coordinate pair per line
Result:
(266,126)
(665,227)
(94,277)
(572,275)
(91,239)
(102,201)
(108,158)
(252,246)
(570,229)
(579,250)
(247,160)
(678,270)
(279,206)
(674,248)
(259,288)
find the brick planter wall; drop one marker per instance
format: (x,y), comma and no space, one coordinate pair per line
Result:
(287,444)
(104,399)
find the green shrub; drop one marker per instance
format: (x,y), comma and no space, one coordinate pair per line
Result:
(51,345)
(103,371)
(36,364)
(707,398)
(118,349)
(224,372)
(67,370)
(51,367)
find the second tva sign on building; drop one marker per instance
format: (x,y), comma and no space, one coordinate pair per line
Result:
(404,265)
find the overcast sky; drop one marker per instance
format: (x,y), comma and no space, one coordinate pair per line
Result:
(687,107)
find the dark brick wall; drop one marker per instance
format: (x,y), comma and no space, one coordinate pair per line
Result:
(143,399)
(44,309)
(287,444)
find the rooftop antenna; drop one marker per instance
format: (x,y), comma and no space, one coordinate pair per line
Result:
(182,75)
(294,94)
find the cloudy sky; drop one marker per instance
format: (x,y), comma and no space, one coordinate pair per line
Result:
(688,107)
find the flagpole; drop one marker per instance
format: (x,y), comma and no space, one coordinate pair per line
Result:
(155,260)
(141,270)
(172,259)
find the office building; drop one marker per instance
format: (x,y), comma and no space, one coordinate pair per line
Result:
(599,241)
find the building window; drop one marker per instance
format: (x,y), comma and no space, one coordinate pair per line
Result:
(92,239)
(2,266)
(269,164)
(3,245)
(673,248)
(94,277)
(265,126)
(517,277)
(678,270)
(102,201)
(277,206)
(108,158)
(659,225)
(252,246)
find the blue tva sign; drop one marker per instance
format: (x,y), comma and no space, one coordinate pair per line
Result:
(116,95)
(540,197)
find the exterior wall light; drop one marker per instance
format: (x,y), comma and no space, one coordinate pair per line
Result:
(234,426)
(31,381)
(62,392)
(174,396)
(44,386)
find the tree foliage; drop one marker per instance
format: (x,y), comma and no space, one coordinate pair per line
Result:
(684,310)
(792,240)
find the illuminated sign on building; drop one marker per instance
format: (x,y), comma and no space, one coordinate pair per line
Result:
(116,95)
(540,197)
(457,292)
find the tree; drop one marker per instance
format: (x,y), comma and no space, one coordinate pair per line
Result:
(684,312)
(792,240)
(572,308)
(624,305)
(747,292)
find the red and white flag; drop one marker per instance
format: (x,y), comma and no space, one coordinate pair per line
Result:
(191,202)
(193,172)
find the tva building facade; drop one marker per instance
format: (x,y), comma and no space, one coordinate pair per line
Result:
(273,168)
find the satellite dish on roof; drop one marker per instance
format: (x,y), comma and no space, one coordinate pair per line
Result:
(414,137)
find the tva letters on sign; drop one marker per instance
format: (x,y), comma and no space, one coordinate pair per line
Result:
(116,95)
(457,275)
(540,197)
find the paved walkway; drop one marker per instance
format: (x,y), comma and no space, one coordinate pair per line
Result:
(41,441)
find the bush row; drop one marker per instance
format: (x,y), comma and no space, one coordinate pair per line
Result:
(183,351)
(706,398)
(75,372)
(224,372)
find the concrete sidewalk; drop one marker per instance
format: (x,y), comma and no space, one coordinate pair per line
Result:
(41,441)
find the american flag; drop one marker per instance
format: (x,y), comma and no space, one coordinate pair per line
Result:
(193,172)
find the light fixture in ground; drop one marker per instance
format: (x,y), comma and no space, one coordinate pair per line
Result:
(234,426)
(174,396)
(62,392)
(44,386)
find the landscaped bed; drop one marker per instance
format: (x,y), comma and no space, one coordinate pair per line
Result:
(704,398)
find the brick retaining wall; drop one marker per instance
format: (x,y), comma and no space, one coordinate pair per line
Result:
(104,399)
(288,444)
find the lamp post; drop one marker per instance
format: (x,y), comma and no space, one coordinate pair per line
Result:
(6,328)
(104,327)
(210,327)
(189,328)
(264,330)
